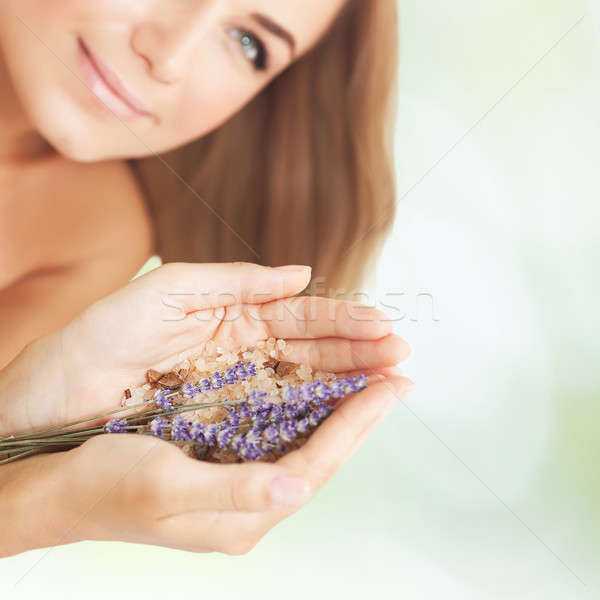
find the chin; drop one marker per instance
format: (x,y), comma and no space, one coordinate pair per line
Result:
(64,126)
(71,145)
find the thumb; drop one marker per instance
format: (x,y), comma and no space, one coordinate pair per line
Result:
(247,487)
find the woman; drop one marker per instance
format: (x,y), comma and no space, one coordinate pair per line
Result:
(204,131)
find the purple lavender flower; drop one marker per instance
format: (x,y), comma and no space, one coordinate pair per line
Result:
(259,418)
(303,426)
(116,426)
(224,436)
(314,418)
(161,400)
(244,411)
(276,412)
(321,390)
(205,385)
(254,434)
(256,399)
(236,441)
(158,426)
(305,393)
(233,416)
(250,451)
(210,434)
(290,394)
(189,390)
(198,431)
(336,388)
(231,376)
(180,429)
(240,372)
(360,382)
(217,381)
(271,433)
(324,410)
(290,411)
(287,430)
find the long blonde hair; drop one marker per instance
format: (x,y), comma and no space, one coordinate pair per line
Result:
(303,174)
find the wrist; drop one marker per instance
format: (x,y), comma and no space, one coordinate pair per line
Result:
(32,388)
(35,502)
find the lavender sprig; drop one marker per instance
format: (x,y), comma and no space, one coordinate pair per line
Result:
(269,426)
(253,427)
(116,426)
(242,371)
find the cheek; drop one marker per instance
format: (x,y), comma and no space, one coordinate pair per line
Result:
(210,100)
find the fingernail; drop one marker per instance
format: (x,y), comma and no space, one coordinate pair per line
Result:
(293,268)
(288,491)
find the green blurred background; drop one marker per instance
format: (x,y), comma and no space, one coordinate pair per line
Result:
(485,483)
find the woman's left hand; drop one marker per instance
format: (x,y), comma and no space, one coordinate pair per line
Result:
(151,323)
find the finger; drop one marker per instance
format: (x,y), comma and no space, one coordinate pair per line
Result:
(189,287)
(315,317)
(248,487)
(345,355)
(342,433)
(373,375)
(300,318)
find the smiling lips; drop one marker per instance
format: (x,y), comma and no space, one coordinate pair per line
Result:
(107,87)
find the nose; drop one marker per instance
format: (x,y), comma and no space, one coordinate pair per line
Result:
(167,42)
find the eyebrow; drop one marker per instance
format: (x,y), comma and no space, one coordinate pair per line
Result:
(276,29)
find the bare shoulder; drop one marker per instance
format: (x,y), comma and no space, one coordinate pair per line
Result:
(58,212)
(70,233)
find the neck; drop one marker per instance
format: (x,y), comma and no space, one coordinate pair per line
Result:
(19,140)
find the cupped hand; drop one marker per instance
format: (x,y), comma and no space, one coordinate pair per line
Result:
(147,491)
(143,489)
(158,318)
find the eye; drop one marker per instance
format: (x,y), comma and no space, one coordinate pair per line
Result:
(252,47)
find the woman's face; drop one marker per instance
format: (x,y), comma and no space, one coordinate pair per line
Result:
(128,78)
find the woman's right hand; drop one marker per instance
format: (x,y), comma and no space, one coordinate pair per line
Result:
(144,490)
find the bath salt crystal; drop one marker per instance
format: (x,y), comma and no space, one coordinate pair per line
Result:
(304,372)
(137,396)
(200,364)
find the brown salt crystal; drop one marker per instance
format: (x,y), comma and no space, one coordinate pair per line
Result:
(152,376)
(170,380)
(285,368)
(271,363)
